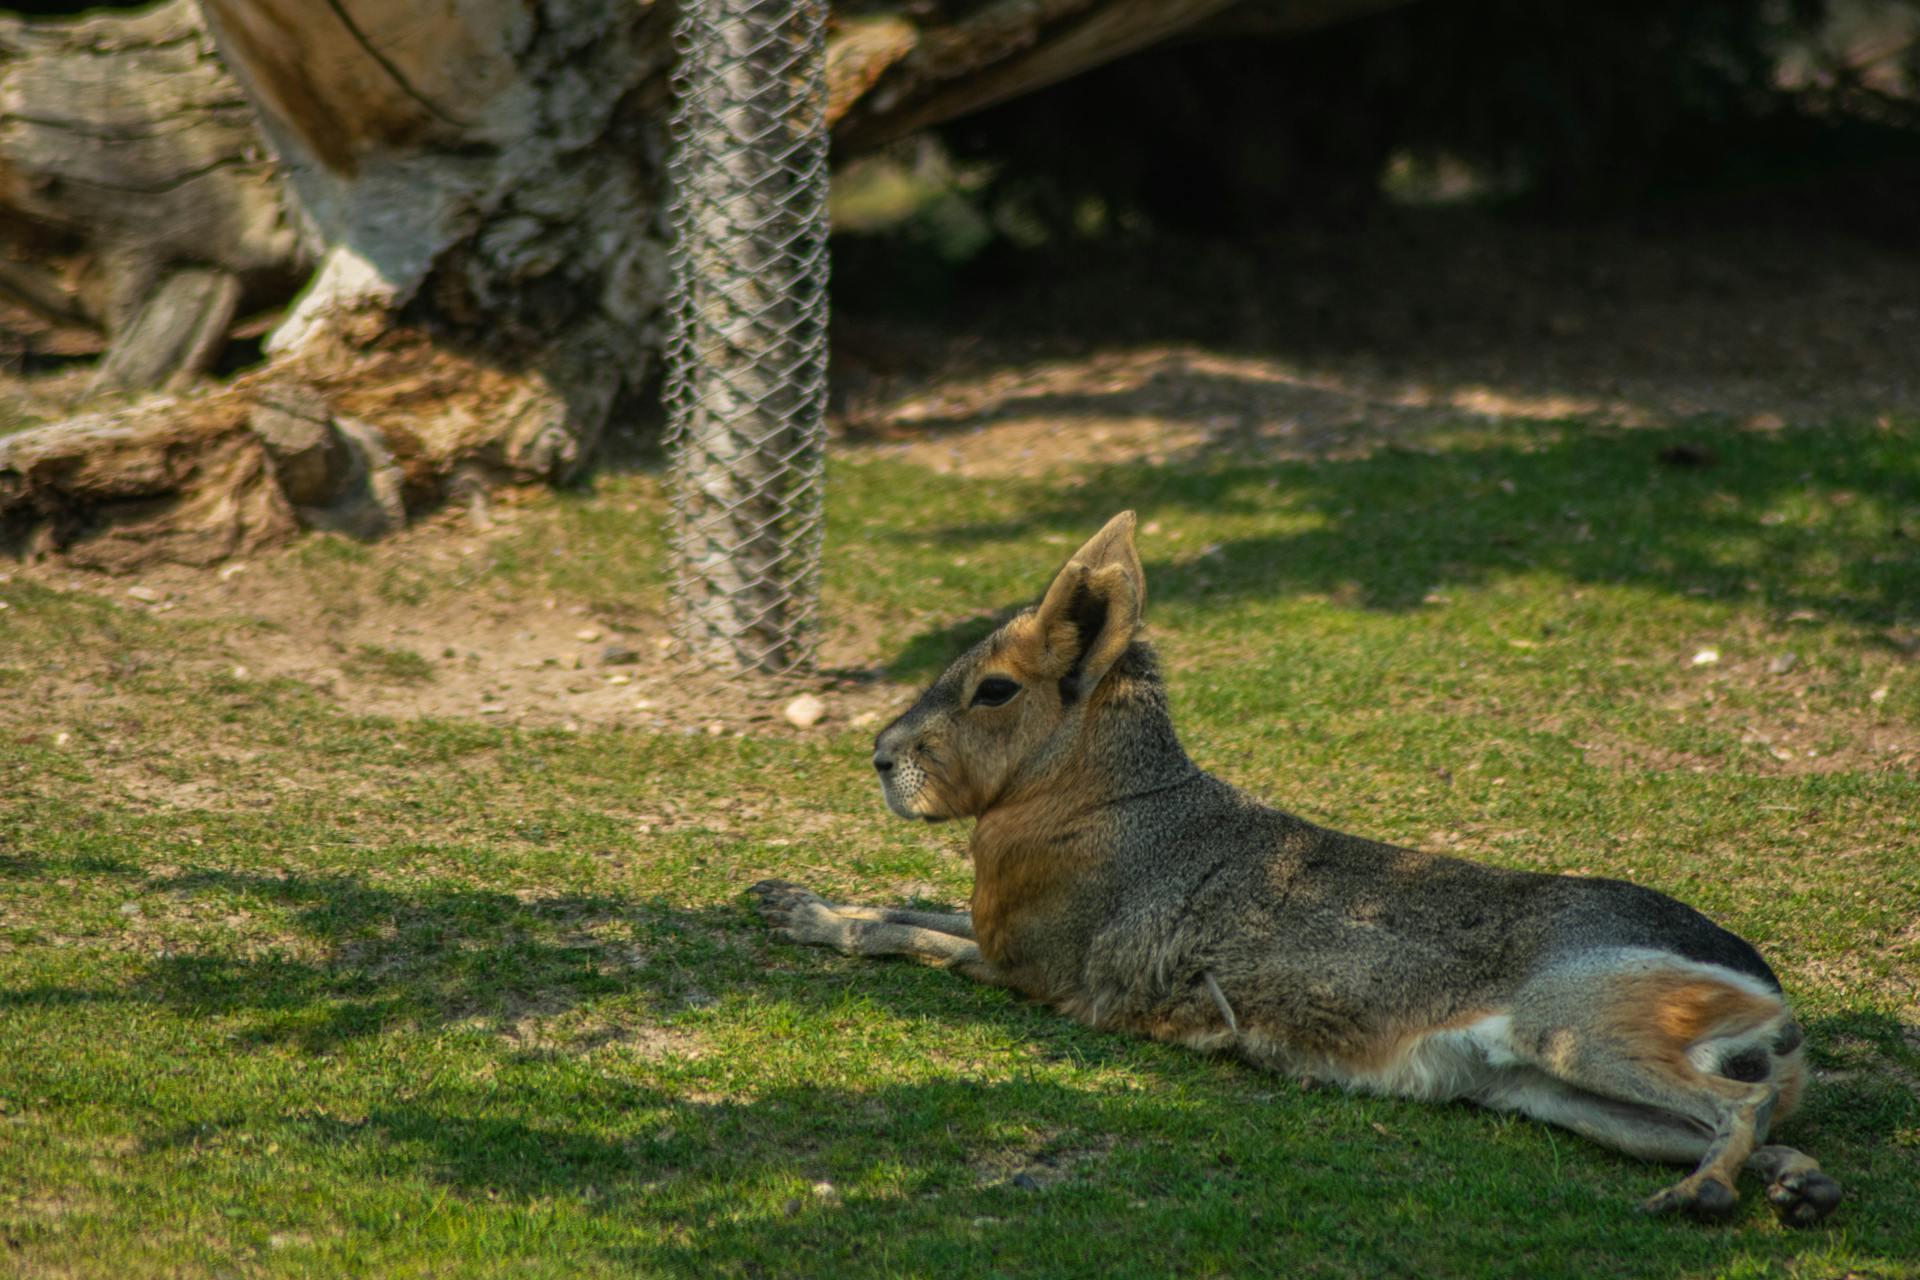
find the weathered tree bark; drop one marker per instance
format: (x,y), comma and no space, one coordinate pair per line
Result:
(476,186)
(136,194)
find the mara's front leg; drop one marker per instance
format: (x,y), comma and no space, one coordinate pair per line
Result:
(930,937)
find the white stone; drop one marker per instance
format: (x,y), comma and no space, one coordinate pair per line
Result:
(805,711)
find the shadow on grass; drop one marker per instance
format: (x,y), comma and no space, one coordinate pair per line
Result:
(22,866)
(1825,521)
(365,957)
(925,1173)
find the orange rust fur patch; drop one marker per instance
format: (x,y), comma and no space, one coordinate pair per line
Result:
(1382,1053)
(1661,1015)
(1020,868)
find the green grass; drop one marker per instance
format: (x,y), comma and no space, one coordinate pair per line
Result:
(287,992)
(390,665)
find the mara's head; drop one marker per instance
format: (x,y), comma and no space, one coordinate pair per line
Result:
(1010,710)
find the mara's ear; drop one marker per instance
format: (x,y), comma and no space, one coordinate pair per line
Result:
(1093,609)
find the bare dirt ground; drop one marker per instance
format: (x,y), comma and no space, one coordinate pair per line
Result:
(1326,343)
(1313,344)
(521,657)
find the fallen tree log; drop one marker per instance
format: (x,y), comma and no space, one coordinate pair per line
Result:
(470,193)
(136,194)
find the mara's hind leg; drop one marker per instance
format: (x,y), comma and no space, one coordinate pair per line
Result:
(1625,1126)
(1799,1191)
(1699,1048)
(802,916)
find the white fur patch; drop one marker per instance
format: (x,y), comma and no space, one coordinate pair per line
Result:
(1455,1063)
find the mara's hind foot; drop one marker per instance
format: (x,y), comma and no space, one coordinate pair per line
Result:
(1801,1193)
(1703,1197)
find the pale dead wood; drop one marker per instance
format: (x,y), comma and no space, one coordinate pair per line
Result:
(491,172)
(859,53)
(126,154)
(178,330)
(42,292)
(182,481)
(1012,47)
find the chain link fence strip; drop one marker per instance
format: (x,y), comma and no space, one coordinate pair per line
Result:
(746,358)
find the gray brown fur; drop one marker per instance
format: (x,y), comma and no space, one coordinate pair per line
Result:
(1120,883)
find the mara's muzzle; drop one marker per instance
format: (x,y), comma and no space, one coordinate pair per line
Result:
(903,781)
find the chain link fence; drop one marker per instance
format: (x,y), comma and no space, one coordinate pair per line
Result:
(747,348)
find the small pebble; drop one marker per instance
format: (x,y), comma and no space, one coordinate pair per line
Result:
(587,635)
(805,711)
(129,909)
(493,709)
(1782,663)
(1706,657)
(145,595)
(1878,695)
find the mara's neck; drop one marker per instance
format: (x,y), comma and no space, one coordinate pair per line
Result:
(1126,749)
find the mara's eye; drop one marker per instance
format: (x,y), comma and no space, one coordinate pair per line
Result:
(995,691)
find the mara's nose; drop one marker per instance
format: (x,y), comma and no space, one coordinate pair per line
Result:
(883,762)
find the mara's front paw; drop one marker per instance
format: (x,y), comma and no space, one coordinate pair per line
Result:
(798,915)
